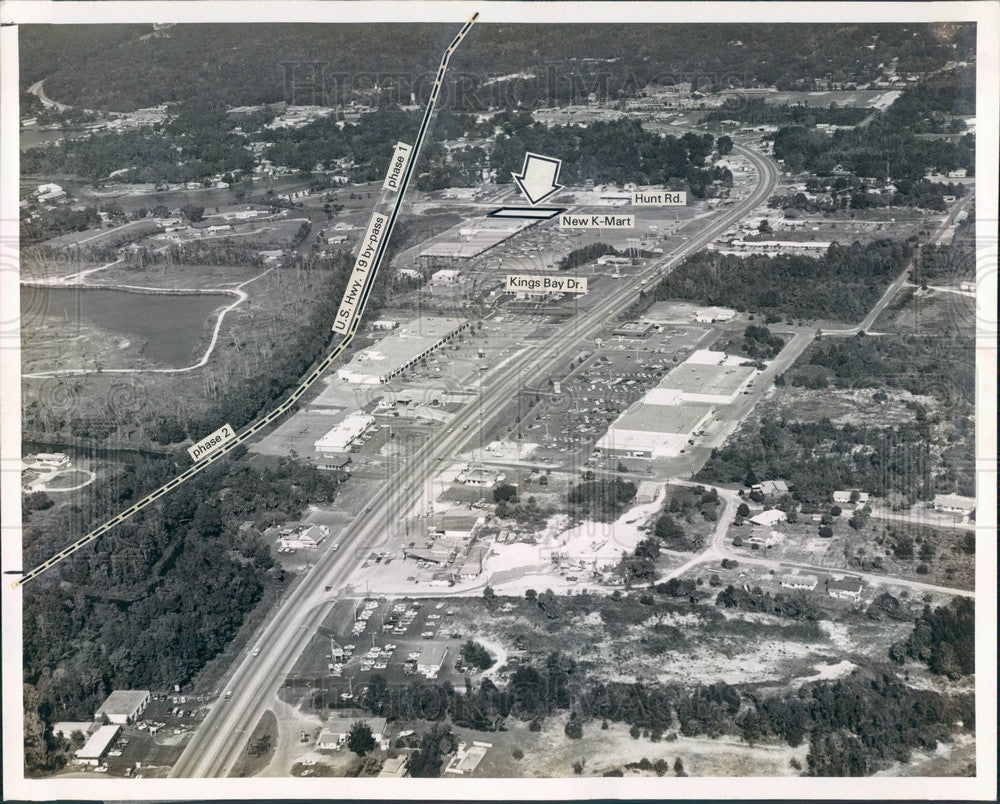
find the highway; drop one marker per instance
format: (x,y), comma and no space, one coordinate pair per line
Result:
(219,741)
(348,328)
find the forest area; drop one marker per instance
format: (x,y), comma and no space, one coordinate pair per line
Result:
(151,602)
(842,285)
(853,726)
(109,66)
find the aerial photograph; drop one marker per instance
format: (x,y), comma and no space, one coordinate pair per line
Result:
(488,400)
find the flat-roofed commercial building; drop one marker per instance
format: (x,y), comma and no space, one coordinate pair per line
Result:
(97,746)
(123,706)
(718,383)
(343,435)
(652,430)
(404,347)
(469,240)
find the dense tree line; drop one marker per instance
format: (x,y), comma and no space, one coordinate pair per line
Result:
(881,150)
(757,343)
(823,457)
(944,638)
(928,364)
(841,285)
(930,105)
(878,716)
(584,254)
(115,69)
(149,603)
(197,143)
(602,500)
(618,152)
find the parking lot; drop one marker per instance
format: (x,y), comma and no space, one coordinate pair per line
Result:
(385,636)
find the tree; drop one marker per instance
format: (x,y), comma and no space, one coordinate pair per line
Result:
(505,492)
(743,510)
(530,595)
(476,655)
(360,739)
(260,746)
(679,767)
(193,212)
(724,145)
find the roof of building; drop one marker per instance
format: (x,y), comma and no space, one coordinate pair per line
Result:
(680,419)
(955,501)
(342,725)
(458,519)
(773,486)
(702,378)
(67,727)
(98,742)
(394,767)
(769,517)
(123,702)
(799,580)
(404,344)
(848,584)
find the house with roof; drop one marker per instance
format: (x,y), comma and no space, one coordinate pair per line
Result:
(771,488)
(847,588)
(806,582)
(459,522)
(853,497)
(67,728)
(769,518)
(955,504)
(393,768)
(431,660)
(335,730)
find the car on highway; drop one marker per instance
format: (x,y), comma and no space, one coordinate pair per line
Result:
(228,695)
(255,652)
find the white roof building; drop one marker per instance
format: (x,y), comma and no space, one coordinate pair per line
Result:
(342,436)
(95,749)
(955,503)
(769,518)
(431,659)
(123,706)
(335,731)
(400,350)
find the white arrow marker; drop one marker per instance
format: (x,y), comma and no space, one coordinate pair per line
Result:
(537,179)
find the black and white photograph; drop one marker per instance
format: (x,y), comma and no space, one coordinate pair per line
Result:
(409,400)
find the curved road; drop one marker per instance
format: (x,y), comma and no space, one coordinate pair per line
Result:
(219,741)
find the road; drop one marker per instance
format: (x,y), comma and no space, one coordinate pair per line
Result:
(902,280)
(216,745)
(718,549)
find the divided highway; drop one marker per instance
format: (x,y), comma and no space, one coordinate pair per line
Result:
(349,331)
(219,741)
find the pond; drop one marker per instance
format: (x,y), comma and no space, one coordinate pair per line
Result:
(171,326)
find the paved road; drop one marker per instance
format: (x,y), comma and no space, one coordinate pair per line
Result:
(216,745)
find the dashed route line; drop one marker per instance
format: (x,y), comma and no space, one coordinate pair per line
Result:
(316,373)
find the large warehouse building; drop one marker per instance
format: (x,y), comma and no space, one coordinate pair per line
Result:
(397,352)
(469,240)
(712,378)
(653,430)
(661,423)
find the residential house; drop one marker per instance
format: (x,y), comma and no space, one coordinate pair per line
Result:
(848,588)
